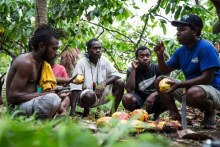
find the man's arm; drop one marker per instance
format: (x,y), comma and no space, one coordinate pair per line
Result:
(110,80)
(164,68)
(206,79)
(130,84)
(20,90)
(159,50)
(61,80)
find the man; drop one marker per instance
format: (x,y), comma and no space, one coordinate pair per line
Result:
(25,72)
(101,78)
(140,84)
(198,59)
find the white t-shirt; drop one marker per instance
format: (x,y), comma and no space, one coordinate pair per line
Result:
(92,73)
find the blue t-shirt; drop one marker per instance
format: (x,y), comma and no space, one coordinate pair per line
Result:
(192,61)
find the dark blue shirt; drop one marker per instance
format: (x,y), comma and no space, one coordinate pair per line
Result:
(193,61)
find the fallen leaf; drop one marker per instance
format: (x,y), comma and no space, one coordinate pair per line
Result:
(189,134)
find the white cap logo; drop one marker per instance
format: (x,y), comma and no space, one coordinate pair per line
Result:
(185,17)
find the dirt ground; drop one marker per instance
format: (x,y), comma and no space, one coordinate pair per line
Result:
(194,118)
(180,142)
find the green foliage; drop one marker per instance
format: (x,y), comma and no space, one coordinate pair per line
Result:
(22,131)
(106,20)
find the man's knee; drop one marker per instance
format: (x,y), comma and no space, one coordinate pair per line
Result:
(195,92)
(158,79)
(88,99)
(129,102)
(47,105)
(119,83)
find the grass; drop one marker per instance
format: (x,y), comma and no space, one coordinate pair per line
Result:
(20,131)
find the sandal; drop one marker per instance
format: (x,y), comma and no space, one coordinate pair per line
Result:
(209,121)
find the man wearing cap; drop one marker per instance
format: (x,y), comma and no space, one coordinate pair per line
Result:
(198,59)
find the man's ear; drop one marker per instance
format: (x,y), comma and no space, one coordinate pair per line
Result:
(195,31)
(41,46)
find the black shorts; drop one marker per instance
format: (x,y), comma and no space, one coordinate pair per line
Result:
(140,102)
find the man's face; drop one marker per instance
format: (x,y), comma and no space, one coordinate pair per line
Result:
(185,35)
(95,51)
(51,53)
(144,57)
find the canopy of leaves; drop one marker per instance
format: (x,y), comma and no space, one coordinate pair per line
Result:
(106,20)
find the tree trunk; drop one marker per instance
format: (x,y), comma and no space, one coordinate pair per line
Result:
(40,12)
(216,27)
(216,3)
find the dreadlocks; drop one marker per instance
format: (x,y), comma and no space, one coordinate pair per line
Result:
(43,34)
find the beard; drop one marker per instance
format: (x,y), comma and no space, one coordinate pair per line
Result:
(45,55)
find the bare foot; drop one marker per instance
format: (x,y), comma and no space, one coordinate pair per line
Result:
(85,112)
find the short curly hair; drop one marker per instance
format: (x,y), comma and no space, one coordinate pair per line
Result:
(141,48)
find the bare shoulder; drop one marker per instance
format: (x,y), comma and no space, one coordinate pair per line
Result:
(23,62)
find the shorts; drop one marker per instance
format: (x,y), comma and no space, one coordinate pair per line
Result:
(140,103)
(211,93)
(99,101)
(43,106)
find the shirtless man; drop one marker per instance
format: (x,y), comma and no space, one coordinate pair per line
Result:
(24,75)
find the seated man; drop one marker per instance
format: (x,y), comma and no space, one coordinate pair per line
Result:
(140,84)
(25,72)
(198,59)
(101,78)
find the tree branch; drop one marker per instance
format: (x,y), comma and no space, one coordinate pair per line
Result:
(116,65)
(119,38)
(101,33)
(197,2)
(111,31)
(8,52)
(18,43)
(146,20)
(162,17)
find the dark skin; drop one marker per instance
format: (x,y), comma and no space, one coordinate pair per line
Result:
(66,100)
(89,98)
(22,77)
(128,100)
(195,96)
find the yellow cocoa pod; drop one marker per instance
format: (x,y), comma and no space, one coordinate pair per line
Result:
(163,85)
(141,114)
(79,79)
(103,122)
(120,115)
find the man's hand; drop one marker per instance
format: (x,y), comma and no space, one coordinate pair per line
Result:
(150,100)
(159,49)
(134,64)
(63,94)
(100,89)
(173,86)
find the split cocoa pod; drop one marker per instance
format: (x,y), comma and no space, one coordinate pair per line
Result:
(120,115)
(79,79)
(141,114)
(103,122)
(172,126)
(164,85)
